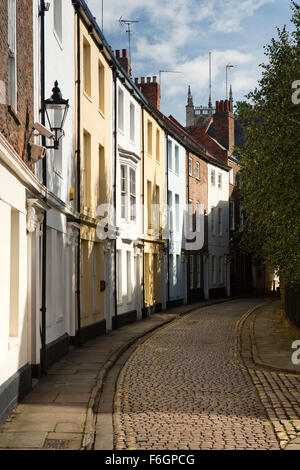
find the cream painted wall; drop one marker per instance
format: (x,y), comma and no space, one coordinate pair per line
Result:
(154,172)
(96,123)
(13,285)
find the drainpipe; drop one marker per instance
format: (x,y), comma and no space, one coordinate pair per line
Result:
(78,151)
(115,193)
(44,168)
(168,262)
(143,203)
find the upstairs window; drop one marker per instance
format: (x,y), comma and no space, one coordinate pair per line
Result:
(86,67)
(157,145)
(12,55)
(101,78)
(198,170)
(132,194)
(149,136)
(219,181)
(212,178)
(132,122)
(121,110)
(190,166)
(231,176)
(176,159)
(123,191)
(57,16)
(170,156)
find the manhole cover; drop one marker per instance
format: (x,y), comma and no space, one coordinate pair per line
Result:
(55,444)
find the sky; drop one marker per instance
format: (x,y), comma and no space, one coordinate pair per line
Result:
(177,35)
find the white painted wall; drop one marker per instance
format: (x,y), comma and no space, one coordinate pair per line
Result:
(177,186)
(128,271)
(60,66)
(13,275)
(218,244)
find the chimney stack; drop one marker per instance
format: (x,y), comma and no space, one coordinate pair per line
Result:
(223,124)
(150,89)
(124,61)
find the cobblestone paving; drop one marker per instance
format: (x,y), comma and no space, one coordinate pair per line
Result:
(185,388)
(279,392)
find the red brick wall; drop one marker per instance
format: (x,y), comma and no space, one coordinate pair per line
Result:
(197,188)
(16,128)
(151,90)
(224,124)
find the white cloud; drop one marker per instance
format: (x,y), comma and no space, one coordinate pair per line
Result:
(170,34)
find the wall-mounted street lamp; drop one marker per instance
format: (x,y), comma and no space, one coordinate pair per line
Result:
(56,109)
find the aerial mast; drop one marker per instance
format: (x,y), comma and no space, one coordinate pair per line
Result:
(129,31)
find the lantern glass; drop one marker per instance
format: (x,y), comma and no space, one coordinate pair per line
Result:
(56,109)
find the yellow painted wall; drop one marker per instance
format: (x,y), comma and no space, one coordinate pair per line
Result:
(154,173)
(96,171)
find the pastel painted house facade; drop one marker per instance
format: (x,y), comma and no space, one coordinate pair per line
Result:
(128,210)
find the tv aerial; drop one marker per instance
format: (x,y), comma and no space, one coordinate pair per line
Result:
(128,24)
(165,71)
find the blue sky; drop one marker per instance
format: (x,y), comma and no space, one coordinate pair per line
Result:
(178,35)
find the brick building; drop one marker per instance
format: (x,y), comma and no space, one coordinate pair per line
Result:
(16,87)
(17,184)
(219,133)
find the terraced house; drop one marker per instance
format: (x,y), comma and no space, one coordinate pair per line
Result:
(94,174)
(94,184)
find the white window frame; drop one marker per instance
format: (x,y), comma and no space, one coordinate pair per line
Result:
(132,194)
(220,180)
(170,154)
(197,170)
(124,191)
(132,122)
(190,166)
(57,20)
(212,178)
(176,159)
(231,176)
(121,109)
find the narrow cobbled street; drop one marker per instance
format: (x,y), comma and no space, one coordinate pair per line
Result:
(186,387)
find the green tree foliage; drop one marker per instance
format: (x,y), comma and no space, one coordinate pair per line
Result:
(270,159)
